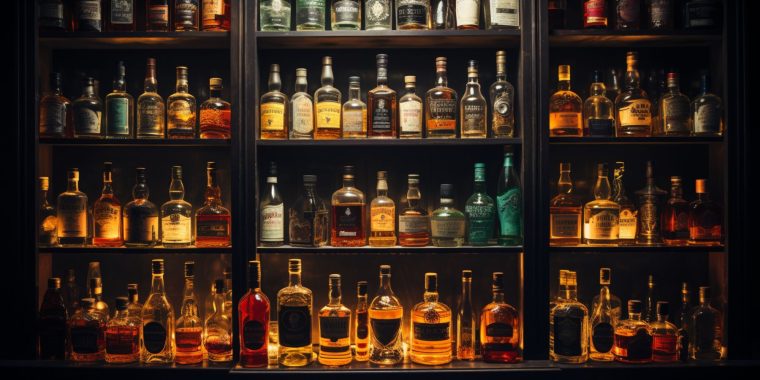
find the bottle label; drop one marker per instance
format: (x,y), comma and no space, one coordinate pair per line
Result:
(86,121)
(378,13)
(185,13)
(107,218)
(310,11)
(182,116)
(603,225)
(176,228)
(659,12)
(89,10)
(328,115)
(499,330)
(707,119)
(272,117)
(431,332)
(562,120)
(565,225)
(72,217)
(254,335)
(52,119)
(595,11)
(158,15)
(505,12)
(51,10)
(410,116)
(385,331)
(294,326)
(273,223)
(666,344)
(628,10)
(122,11)
(648,217)
(354,121)
(474,118)
(212,226)
(381,116)
(502,106)
(468,12)
(412,12)
(447,228)
(635,112)
(346,11)
(602,337)
(567,335)
(211,9)
(382,219)
(303,115)
(123,341)
(509,205)
(279,14)
(601,127)
(413,224)
(702,14)
(154,337)
(151,116)
(627,224)
(140,228)
(442,115)
(84,340)
(334,328)
(676,116)
(481,219)
(348,221)
(117,116)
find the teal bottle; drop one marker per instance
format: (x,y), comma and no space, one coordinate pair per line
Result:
(509,204)
(480,210)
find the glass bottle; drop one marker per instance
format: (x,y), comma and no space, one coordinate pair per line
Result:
(274,15)
(150,107)
(569,324)
(378,13)
(565,211)
(473,108)
(413,220)
(649,303)
(500,327)
(467,14)
(301,109)
(294,307)
(441,105)
(616,306)
(509,204)
(627,14)
(633,337)
(385,315)
(216,15)
(480,210)
(603,321)
(381,103)
(120,15)
(122,335)
(410,111)
(157,318)
(180,109)
(189,327)
(447,223)
(310,15)
(702,14)
(466,320)
(71,211)
(595,14)
(46,217)
(273,108)
(157,16)
(633,110)
(348,214)
(354,121)
(88,16)
(705,218)
(52,323)
(135,307)
(705,336)
(95,291)
(673,116)
(382,215)
(502,14)
(628,217)
(430,330)
(253,321)
(612,83)
(664,336)
(502,95)
(346,15)
(308,224)
(706,111)
(361,323)
(442,14)
(140,216)
(176,214)
(51,17)
(212,221)
(598,118)
(218,327)
(565,108)
(660,14)
(601,216)
(87,111)
(684,320)
(106,214)
(557,9)
(327,106)
(215,113)
(87,333)
(675,216)
(413,14)
(272,212)
(334,328)
(119,109)
(648,230)
(186,15)
(55,110)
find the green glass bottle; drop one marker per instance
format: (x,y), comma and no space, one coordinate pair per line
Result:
(509,204)
(480,210)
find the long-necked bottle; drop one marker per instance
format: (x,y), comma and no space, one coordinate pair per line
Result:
(308,224)
(218,339)
(71,209)
(705,331)
(480,210)
(272,212)
(674,221)
(348,214)
(447,224)
(119,108)
(565,108)
(601,216)
(441,105)
(46,217)
(215,113)
(379,14)
(633,116)
(253,321)
(381,104)
(502,97)
(189,328)
(385,315)
(310,15)
(673,115)
(327,105)
(361,323)
(273,106)
(706,111)
(430,327)
(633,337)
(509,203)
(569,321)
(176,214)
(71,293)
(466,320)
(157,342)
(346,15)
(650,199)
(301,109)
(473,107)
(55,110)
(500,327)
(705,218)
(140,216)
(628,217)
(151,112)
(413,220)
(598,118)
(410,111)
(274,15)
(212,221)
(382,211)
(52,323)
(334,328)
(603,321)
(565,211)
(294,309)
(354,120)
(180,109)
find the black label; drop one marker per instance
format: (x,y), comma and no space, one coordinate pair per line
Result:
(411,14)
(499,330)
(362,327)
(294,326)
(211,227)
(346,10)
(348,219)
(603,337)
(431,331)
(601,127)
(385,330)
(84,340)
(381,115)
(333,328)
(254,335)
(567,335)
(640,346)
(154,337)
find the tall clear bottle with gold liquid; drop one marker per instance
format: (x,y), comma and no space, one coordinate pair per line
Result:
(382,217)
(385,316)
(565,108)
(157,344)
(334,328)
(602,215)
(294,307)
(327,105)
(354,118)
(189,329)
(633,110)
(466,320)
(473,108)
(273,108)
(431,327)
(180,109)
(150,107)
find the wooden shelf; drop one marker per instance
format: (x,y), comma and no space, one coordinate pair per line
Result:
(135,40)
(365,367)
(132,250)
(637,249)
(391,142)
(634,140)
(329,250)
(389,39)
(195,143)
(618,38)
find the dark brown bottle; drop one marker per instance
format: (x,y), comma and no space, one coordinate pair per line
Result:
(157,15)
(51,323)
(88,16)
(119,15)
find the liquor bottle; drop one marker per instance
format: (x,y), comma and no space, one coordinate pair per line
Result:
(88,16)
(382,215)
(361,323)
(72,291)
(466,320)
(216,15)
(413,14)
(502,14)
(71,211)
(308,224)
(212,221)
(565,108)
(664,336)
(327,106)
(684,318)
(106,214)
(135,307)
(273,107)
(140,216)
(354,121)
(500,327)
(215,113)
(119,15)
(595,14)
(93,271)
(467,14)
(294,306)
(480,210)
(660,14)
(122,335)
(52,323)
(310,15)
(612,83)
(565,211)
(253,320)
(569,322)
(603,321)
(673,115)
(633,337)
(218,327)
(381,103)
(150,107)
(87,111)
(51,16)
(705,331)
(180,109)
(413,220)
(301,109)
(502,95)
(176,214)
(189,327)
(598,118)
(633,110)
(274,15)
(119,108)
(675,216)
(628,217)
(385,315)
(186,15)
(627,14)
(410,111)
(616,306)
(272,211)
(442,14)
(157,16)
(334,328)
(557,9)
(157,343)
(346,15)
(702,14)
(430,339)
(46,217)
(87,333)
(379,14)
(509,204)
(706,111)
(447,223)
(95,291)
(601,217)
(473,108)
(441,105)
(348,214)
(656,88)
(650,199)
(705,218)
(55,110)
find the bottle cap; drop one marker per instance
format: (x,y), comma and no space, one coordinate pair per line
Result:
(701,186)
(497,280)
(704,292)
(410,80)
(122,303)
(431,282)
(467,274)
(157,266)
(385,270)
(294,265)
(634,307)
(215,82)
(177,171)
(563,72)
(605,276)
(211,165)
(447,190)
(44,183)
(663,308)
(73,174)
(348,171)
(309,178)
(361,288)
(189,268)
(413,178)
(274,68)
(564,167)
(54,283)
(354,80)
(382,59)
(675,180)
(327,60)
(254,271)
(334,279)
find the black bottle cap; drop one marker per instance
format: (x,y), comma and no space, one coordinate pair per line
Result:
(254,273)
(385,269)
(467,274)
(497,280)
(309,178)
(634,307)
(431,282)
(219,286)
(294,265)
(87,303)
(54,283)
(211,165)
(272,169)
(663,308)
(447,190)
(121,303)
(189,268)
(361,288)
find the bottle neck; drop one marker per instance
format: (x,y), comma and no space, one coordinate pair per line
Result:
(703,197)
(565,183)
(410,89)
(327,75)
(43,198)
(466,291)
(676,191)
(385,285)
(181,85)
(348,181)
(597,89)
(72,185)
(176,189)
(361,299)
(309,190)
(662,318)
(413,194)
(447,202)
(602,188)
(213,192)
(634,316)
(107,184)
(479,187)
(157,284)
(335,295)
(498,295)
(632,80)
(189,292)
(440,78)
(88,90)
(382,188)
(563,85)
(430,296)
(275,84)
(301,84)
(140,191)
(472,81)
(151,84)
(294,278)
(354,92)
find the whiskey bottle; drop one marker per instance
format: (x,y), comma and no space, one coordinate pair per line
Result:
(52,323)
(272,211)
(431,327)
(413,220)
(301,109)
(273,108)
(381,102)
(71,211)
(509,204)
(473,108)
(598,119)
(627,14)
(569,322)
(660,14)
(410,111)
(186,15)
(565,107)
(379,14)
(447,223)
(334,328)
(467,14)
(601,217)
(706,111)
(274,15)
(157,16)
(705,331)
(51,16)
(294,306)
(565,211)
(212,221)
(466,320)
(216,15)
(348,214)
(218,338)
(215,113)
(628,217)
(361,323)
(253,320)
(633,337)
(157,318)
(442,14)
(664,336)
(441,105)
(176,214)
(382,215)
(87,111)
(180,109)
(135,307)
(46,217)
(702,14)
(673,116)
(55,110)
(633,110)
(705,218)
(88,16)
(385,315)
(595,14)
(95,291)
(413,14)
(189,328)
(480,210)
(150,106)
(140,216)
(502,95)
(603,321)
(122,335)
(500,327)
(308,224)
(346,15)
(502,14)
(616,306)
(684,319)
(120,15)
(675,216)
(87,330)
(354,121)
(648,231)
(327,105)
(106,214)
(310,15)
(119,109)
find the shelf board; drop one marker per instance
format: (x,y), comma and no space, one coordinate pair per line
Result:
(365,367)
(205,367)
(388,39)
(135,40)
(618,38)
(391,142)
(329,250)
(659,140)
(132,250)
(638,249)
(195,143)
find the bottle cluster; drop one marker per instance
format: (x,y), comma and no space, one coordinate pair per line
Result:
(311,223)
(646,336)
(139,223)
(638,15)
(134,15)
(439,114)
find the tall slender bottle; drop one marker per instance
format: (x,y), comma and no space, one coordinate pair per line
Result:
(213,220)
(473,107)
(46,217)
(650,200)
(189,328)
(381,103)
(466,320)
(157,343)
(633,116)
(52,341)
(106,213)
(480,210)
(253,321)
(151,112)
(180,109)
(500,327)
(509,204)
(706,335)
(382,215)
(71,209)
(385,315)
(327,106)
(294,309)
(301,109)
(684,320)
(502,97)
(119,108)
(273,106)
(272,212)
(334,328)
(176,214)
(140,216)
(603,322)
(361,323)
(441,105)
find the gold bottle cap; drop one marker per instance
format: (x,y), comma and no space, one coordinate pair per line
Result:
(701,186)
(467,274)
(440,64)
(215,82)
(301,72)
(44,183)
(410,79)
(563,72)
(630,60)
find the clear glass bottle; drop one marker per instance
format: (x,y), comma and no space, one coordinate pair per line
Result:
(150,107)
(273,107)
(52,342)
(467,14)
(664,336)
(650,200)
(378,14)
(87,333)
(442,14)
(627,14)
(348,214)
(430,330)
(253,321)
(95,291)
(633,337)
(565,211)
(628,217)
(706,111)
(413,14)
(354,121)
(71,211)
(87,111)
(157,344)
(385,319)
(502,96)
(218,328)
(272,212)
(706,335)
(673,115)
(441,105)
(410,111)
(473,107)
(382,215)
(334,328)
(189,328)
(106,214)
(294,308)
(601,216)
(565,108)
(447,223)
(88,16)
(177,214)
(466,320)
(122,335)
(603,321)
(215,113)
(47,221)
(140,216)
(274,15)
(598,118)
(612,83)
(675,216)
(119,108)
(480,210)
(500,327)
(346,14)
(308,224)
(55,110)
(660,14)
(381,103)
(213,220)
(361,323)
(180,109)
(310,15)
(616,306)
(633,109)
(595,14)
(569,324)
(216,15)
(502,14)
(327,106)
(186,15)
(705,218)
(509,204)
(301,109)
(413,220)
